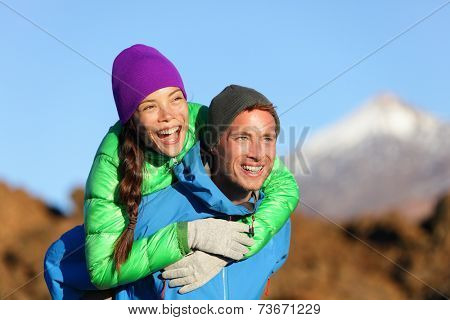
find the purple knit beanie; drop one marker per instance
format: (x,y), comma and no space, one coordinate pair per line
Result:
(138,71)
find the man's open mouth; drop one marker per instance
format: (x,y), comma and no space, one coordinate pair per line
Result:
(252,170)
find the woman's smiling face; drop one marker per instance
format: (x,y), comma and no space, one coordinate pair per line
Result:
(163,115)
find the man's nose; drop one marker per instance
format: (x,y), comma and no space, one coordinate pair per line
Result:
(255,150)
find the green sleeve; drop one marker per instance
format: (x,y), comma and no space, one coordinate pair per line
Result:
(104,223)
(281,198)
(105,219)
(201,118)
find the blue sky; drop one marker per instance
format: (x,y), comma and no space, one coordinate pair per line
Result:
(56,106)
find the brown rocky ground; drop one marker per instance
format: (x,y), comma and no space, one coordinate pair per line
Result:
(29,227)
(372,258)
(325,262)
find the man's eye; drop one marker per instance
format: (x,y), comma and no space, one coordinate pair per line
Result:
(176,99)
(242,138)
(268,139)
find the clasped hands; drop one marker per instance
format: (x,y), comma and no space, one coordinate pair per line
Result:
(215,243)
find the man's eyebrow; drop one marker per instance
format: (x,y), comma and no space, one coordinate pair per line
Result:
(240,133)
(270,131)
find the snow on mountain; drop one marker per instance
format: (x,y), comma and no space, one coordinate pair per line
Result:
(384,115)
(385,155)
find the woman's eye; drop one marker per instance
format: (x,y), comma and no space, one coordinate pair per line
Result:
(176,99)
(149,107)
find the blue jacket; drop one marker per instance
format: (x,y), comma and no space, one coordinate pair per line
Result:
(193,197)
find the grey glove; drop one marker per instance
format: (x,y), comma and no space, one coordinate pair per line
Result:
(225,238)
(193,271)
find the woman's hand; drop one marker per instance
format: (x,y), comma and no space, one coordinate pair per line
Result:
(225,238)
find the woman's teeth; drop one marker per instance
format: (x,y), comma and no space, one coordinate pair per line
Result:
(252,168)
(169,136)
(168,131)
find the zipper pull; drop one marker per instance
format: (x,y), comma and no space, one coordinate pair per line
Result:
(252,227)
(266,291)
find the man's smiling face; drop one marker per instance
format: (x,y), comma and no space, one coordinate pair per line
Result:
(245,154)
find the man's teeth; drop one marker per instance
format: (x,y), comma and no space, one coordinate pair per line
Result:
(168,131)
(252,169)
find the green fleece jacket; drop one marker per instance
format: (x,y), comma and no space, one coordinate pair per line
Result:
(105,218)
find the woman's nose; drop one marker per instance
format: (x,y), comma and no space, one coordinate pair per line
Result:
(165,114)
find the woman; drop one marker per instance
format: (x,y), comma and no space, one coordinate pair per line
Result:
(151,102)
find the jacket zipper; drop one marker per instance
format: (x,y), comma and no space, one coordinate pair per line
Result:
(224,281)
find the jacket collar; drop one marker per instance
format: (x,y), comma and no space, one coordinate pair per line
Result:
(193,177)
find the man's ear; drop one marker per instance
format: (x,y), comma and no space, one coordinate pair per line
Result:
(213,153)
(213,150)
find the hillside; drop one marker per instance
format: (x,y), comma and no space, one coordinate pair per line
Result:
(324,261)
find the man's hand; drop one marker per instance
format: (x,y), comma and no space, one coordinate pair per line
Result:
(225,238)
(193,271)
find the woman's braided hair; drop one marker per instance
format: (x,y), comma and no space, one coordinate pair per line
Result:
(131,162)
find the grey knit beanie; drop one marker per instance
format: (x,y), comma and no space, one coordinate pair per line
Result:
(226,106)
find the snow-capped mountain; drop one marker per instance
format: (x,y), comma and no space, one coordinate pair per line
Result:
(385,155)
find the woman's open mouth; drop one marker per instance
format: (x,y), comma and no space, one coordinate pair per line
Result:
(169,135)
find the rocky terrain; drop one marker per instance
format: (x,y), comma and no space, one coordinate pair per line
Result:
(386,257)
(29,226)
(363,259)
